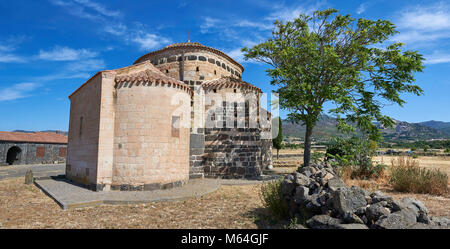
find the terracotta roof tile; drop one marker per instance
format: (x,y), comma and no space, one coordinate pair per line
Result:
(229,82)
(153,75)
(35,137)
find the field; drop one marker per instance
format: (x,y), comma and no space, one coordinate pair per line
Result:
(232,207)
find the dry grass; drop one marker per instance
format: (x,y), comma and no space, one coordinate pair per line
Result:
(25,206)
(407,176)
(430,162)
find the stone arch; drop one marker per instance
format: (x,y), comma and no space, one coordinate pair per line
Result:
(13,155)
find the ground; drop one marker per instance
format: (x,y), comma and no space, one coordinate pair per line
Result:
(231,207)
(25,206)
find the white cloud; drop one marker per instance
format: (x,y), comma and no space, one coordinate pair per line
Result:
(431,18)
(86,65)
(87,9)
(423,24)
(208,23)
(116,29)
(362,8)
(66,54)
(236,54)
(99,8)
(17,91)
(9,58)
(250,24)
(148,41)
(437,57)
(7,47)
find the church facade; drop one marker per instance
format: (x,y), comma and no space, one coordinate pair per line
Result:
(177,113)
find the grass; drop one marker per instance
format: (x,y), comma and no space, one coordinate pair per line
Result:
(407,176)
(272,199)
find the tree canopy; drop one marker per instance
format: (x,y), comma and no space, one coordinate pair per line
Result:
(328,57)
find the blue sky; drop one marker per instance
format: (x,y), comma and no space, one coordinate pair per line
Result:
(49,48)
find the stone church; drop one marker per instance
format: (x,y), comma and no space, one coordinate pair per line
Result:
(177,113)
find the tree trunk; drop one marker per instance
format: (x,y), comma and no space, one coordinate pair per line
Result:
(278,153)
(307,151)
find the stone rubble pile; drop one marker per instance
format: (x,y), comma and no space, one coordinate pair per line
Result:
(318,196)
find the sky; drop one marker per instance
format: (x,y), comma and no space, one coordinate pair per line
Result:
(49,48)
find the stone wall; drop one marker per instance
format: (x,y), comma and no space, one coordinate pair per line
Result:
(233,152)
(34,153)
(148,149)
(84,131)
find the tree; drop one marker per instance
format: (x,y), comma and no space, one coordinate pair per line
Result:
(331,58)
(279,139)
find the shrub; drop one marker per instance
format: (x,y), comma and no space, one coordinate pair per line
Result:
(407,176)
(272,199)
(317,157)
(353,158)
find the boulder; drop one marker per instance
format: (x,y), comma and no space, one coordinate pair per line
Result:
(307,171)
(377,196)
(297,226)
(323,222)
(375,211)
(440,221)
(352,226)
(287,187)
(398,220)
(416,206)
(301,195)
(348,199)
(351,218)
(302,180)
(334,183)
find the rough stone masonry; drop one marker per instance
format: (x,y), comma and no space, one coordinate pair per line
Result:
(317,197)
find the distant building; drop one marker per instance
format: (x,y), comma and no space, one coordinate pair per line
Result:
(32,148)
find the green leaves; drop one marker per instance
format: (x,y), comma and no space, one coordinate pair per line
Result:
(328,57)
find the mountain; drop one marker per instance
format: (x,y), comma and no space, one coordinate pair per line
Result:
(402,131)
(438,125)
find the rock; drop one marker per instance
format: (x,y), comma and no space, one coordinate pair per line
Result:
(424,226)
(297,226)
(314,185)
(302,180)
(398,220)
(29,177)
(287,187)
(307,171)
(440,221)
(377,196)
(361,211)
(301,195)
(323,222)
(313,206)
(415,205)
(290,177)
(375,211)
(348,200)
(396,206)
(334,183)
(352,226)
(350,218)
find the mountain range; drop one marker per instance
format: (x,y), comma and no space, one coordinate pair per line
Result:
(401,131)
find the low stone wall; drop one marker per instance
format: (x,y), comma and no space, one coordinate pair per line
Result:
(317,197)
(34,153)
